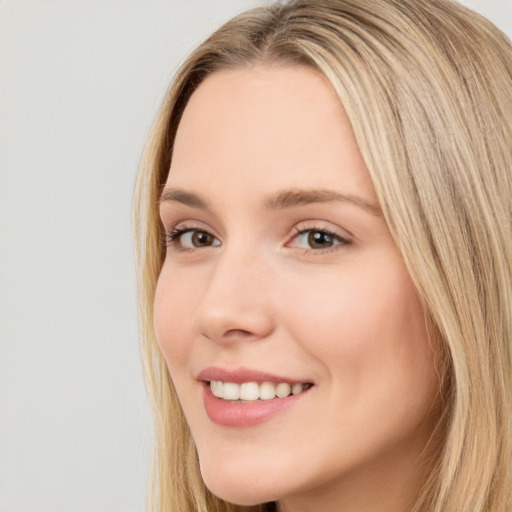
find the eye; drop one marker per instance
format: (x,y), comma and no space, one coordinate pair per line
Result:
(189,238)
(318,239)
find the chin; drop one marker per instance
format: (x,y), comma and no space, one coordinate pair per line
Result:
(236,487)
(236,493)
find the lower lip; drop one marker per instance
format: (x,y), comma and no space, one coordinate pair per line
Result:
(233,414)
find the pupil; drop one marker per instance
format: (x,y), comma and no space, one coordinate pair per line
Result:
(200,238)
(319,240)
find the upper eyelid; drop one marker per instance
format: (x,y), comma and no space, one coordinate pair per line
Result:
(298,228)
(320,225)
(173,237)
(187,229)
(343,240)
(174,213)
(191,225)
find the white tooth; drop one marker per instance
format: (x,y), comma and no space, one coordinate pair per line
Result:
(297,388)
(230,391)
(283,389)
(216,387)
(267,391)
(249,391)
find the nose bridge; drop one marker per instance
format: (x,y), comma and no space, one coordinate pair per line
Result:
(237,300)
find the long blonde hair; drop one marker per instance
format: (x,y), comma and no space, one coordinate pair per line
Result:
(427,85)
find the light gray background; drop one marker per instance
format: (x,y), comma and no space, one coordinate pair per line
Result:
(80,82)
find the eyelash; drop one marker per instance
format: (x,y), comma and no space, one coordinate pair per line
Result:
(173,238)
(343,242)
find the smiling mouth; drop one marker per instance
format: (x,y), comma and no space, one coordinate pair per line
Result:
(250,392)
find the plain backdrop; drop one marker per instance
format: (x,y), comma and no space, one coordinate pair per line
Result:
(80,82)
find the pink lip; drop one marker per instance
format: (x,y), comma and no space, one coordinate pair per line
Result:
(240,375)
(234,414)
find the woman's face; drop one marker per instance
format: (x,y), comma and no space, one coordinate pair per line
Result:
(281,277)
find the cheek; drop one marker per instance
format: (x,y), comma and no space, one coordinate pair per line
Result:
(172,319)
(366,328)
(367,332)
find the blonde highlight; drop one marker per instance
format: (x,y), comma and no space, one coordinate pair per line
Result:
(427,86)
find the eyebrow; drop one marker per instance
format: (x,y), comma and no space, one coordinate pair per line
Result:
(279,201)
(298,197)
(178,195)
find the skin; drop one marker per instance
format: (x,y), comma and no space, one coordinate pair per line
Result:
(257,295)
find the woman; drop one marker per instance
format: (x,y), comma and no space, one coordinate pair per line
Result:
(326,263)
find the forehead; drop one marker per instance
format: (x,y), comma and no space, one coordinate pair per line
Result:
(277,125)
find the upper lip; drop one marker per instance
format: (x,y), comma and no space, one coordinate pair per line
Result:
(241,375)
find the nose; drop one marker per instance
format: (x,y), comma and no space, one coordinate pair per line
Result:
(236,304)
